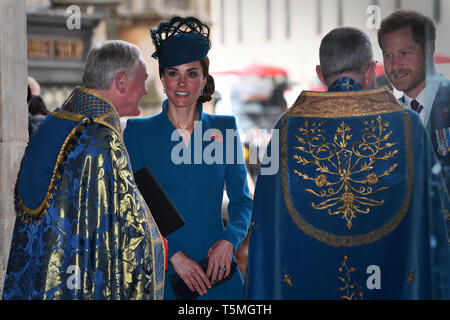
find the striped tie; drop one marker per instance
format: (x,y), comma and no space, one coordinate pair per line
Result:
(416,106)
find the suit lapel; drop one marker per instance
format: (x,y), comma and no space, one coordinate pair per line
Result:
(440,119)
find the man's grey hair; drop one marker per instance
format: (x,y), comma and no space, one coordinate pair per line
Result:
(106,59)
(345,49)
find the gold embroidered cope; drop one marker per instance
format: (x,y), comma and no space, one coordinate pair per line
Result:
(345,196)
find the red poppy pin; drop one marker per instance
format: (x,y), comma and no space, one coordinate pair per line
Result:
(216,136)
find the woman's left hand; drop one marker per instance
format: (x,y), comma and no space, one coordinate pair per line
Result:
(220,255)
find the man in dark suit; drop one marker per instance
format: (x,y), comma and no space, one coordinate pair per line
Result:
(407,39)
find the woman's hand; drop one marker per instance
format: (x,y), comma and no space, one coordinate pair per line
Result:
(191,273)
(220,255)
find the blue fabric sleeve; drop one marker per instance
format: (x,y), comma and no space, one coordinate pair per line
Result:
(132,137)
(241,204)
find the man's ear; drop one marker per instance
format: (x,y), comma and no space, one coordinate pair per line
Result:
(369,76)
(431,46)
(120,82)
(320,75)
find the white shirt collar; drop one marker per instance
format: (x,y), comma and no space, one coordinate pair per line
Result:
(426,96)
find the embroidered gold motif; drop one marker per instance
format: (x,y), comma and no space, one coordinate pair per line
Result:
(447,214)
(330,238)
(411,277)
(349,291)
(344,104)
(132,208)
(345,180)
(287,278)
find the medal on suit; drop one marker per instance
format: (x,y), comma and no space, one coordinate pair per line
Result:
(442,139)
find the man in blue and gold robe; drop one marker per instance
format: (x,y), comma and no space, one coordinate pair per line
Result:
(356,210)
(83,230)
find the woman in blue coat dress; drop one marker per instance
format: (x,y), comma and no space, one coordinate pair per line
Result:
(194,155)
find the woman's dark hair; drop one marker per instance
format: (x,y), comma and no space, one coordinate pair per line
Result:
(37,106)
(28,94)
(209,88)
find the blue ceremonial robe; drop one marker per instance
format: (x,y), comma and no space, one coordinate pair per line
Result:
(194,177)
(355,211)
(83,230)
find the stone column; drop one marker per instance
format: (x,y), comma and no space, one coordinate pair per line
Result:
(13,115)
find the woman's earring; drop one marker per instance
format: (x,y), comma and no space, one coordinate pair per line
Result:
(201,92)
(164,89)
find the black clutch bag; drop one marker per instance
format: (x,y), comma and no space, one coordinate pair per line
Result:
(182,291)
(163,211)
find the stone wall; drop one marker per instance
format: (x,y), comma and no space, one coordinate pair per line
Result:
(13,114)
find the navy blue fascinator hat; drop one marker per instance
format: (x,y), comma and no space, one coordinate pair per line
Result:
(179,41)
